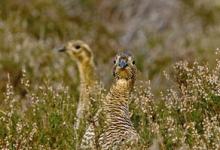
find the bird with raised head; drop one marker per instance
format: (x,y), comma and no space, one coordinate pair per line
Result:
(82,54)
(118,130)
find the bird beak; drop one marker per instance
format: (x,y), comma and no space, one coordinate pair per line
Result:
(60,49)
(122,63)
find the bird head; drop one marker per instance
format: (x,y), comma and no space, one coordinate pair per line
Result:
(124,67)
(78,50)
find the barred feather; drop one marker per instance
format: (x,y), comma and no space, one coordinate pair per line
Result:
(118,130)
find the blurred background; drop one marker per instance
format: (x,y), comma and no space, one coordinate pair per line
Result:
(39,88)
(158,33)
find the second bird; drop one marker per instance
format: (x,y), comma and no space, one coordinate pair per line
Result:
(82,54)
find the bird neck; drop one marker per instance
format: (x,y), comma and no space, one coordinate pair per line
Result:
(116,104)
(120,90)
(122,87)
(87,72)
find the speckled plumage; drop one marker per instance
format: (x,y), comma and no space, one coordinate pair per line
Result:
(118,130)
(118,127)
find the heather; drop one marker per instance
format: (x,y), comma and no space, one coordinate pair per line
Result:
(175,103)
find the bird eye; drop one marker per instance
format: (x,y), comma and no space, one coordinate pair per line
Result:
(77,46)
(114,61)
(133,62)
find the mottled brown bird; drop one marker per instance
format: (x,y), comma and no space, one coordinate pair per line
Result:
(82,54)
(118,130)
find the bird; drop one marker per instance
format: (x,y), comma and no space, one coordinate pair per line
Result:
(118,130)
(81,53)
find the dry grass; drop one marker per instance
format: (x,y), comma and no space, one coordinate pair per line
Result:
(180,110)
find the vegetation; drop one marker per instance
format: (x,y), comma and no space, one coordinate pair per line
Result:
(174,43)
